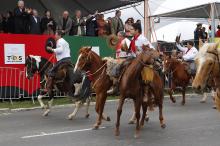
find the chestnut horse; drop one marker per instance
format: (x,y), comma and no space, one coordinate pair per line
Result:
(179,76)
(208,64)
(131,86)
(90,61)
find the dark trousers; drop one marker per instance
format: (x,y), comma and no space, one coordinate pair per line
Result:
(52,71)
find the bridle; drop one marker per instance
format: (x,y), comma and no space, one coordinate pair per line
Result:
(216,55)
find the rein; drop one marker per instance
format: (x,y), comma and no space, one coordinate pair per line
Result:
(52,57)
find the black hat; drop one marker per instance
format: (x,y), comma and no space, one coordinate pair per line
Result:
(50,42)
(199,24)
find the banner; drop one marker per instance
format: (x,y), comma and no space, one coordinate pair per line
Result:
(14,53)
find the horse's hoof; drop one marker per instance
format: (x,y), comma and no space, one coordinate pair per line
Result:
(173,100)
(202,101)
(137,135)
(87,115)
(147,119)
(70,117)
(108,119)
(182,103)
(95,127)
(131,122)
(45,114)
(163,126)
(117,132)
(214,107)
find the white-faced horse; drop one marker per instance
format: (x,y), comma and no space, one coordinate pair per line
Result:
(208,66)
(40,65)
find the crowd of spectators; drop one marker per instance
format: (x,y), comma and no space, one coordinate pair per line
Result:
(24,20)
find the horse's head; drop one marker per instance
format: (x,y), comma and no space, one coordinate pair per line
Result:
(167,63)
(148,56)
(84,59)
(32,65)
(206,61)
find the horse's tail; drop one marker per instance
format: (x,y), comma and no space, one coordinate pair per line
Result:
(217,102)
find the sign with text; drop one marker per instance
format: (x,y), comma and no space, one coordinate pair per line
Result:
(14,53)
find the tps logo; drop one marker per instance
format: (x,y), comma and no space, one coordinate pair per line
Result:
(14,58)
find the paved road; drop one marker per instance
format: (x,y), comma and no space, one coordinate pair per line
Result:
(195,124)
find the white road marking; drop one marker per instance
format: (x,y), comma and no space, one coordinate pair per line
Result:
(5,114)
(58,133)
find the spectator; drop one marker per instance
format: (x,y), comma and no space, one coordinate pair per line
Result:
(91,25)
(78,27)
(128,26)
(102,25)
(210,32)
(48,24)
(138,21)
(1,24)
(205,35)
(65,23)
(198,35)
(117,24)
(21,15)
(108,26)
(217,34)
(9,22)
(35,23)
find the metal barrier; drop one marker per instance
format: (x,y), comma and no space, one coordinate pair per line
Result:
(14,85)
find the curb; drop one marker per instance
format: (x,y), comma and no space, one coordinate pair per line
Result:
(70,105)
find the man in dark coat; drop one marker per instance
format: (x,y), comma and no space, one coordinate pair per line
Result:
(78,27)
(21,15)
(198,35)
(91,25)
(35,23)
(65,23)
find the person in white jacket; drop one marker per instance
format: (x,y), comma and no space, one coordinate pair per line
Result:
(189,54)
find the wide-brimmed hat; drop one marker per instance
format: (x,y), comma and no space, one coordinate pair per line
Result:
(112,41)
(50,42)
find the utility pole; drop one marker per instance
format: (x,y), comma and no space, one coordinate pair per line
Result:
(147,27)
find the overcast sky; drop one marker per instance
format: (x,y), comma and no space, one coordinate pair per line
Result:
(167,29)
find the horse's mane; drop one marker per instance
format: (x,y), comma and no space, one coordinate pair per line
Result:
(203,50)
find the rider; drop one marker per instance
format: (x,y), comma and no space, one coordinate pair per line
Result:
(62,53)
(189,53)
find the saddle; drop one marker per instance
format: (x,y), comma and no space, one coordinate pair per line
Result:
(190,67)
(62,72)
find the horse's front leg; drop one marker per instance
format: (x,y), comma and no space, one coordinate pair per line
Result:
(162,124)
(138,103)
(144,108)
(119,111)
(183,94)
(203,100)
(171,91)
(51,96)
(88,100)
(76,109)
(39,98)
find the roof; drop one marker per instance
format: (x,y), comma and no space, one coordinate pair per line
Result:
(58,6)
(200,11)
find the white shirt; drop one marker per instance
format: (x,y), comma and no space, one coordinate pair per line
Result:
(62,50)
(188,55)
(142,40)
(123,54)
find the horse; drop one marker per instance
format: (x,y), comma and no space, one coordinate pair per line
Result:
(131,86)
(208,66)
(101,82)
(179,75)
(40,65)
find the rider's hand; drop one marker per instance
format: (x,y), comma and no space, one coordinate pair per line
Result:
(49,49)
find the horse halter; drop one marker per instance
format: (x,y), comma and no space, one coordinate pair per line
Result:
(216,54)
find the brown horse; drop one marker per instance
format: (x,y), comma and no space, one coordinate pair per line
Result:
(90,61)
(208,64)
(131,86)
(179,75)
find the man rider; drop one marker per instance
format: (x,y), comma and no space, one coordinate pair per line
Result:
(189,53)
(62,53)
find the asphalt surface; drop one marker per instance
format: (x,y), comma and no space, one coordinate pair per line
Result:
(194,124)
